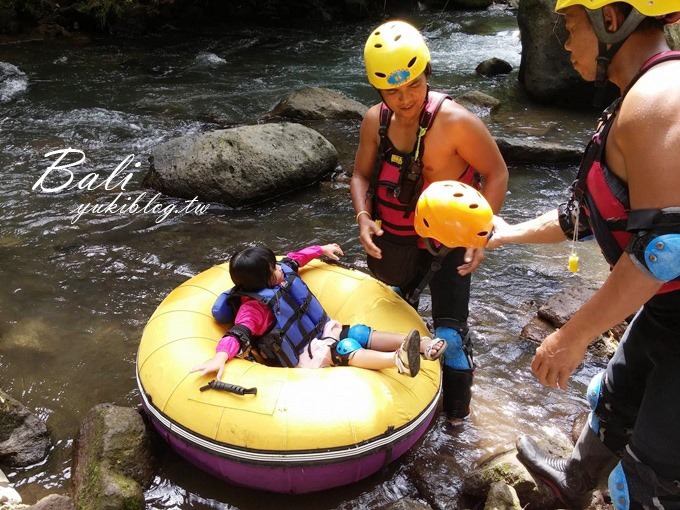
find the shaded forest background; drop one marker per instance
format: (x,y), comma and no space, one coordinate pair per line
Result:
(138,17)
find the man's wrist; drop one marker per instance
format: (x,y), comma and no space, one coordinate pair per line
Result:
(360,214)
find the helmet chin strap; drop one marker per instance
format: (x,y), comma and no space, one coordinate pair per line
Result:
(608,44)
(604,57)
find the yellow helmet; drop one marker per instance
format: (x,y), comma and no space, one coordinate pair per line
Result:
(454,214)
(646,7)
(395,54)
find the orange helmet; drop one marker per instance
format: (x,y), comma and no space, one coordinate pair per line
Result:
(454,214)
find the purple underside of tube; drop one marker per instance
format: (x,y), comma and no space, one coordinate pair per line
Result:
(288,478)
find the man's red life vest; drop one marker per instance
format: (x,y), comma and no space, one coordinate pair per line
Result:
(605,197)
(395,214)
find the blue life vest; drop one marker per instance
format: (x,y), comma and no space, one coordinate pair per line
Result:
(299,317)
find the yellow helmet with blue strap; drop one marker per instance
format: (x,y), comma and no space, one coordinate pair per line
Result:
(395,54)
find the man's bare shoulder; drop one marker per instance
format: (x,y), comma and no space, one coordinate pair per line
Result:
(656,93)
(372,115)
(454,107)
(453,116)
(645,137)
(452,111)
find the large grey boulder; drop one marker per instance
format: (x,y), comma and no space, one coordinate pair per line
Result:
(477,102)
(54,502)
(243,165)
(531,150)
(505,467)
(318,103)
(493,67)
(558,309)
(545,70)
(112,460)
(24,439)
(334,115)
(502,497)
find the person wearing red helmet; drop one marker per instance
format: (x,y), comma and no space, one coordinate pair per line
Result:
(413,137)
(627,194)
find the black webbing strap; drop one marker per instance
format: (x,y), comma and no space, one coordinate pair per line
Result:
(436,264)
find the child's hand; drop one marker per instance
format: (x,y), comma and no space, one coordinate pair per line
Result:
(214,364)
(332,251)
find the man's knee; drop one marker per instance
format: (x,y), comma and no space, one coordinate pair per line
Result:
(635,485)
(457,372)
(611,419)
(458,354)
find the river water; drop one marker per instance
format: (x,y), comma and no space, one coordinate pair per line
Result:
(77,290)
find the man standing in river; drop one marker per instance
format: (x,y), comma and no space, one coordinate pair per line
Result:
(412,138)
(628,195)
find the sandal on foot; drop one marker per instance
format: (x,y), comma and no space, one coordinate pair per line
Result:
(431,352)
(408,355)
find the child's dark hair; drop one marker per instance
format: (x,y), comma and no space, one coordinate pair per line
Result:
(251,268)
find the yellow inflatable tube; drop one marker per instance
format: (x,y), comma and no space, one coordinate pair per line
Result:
(305,429)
